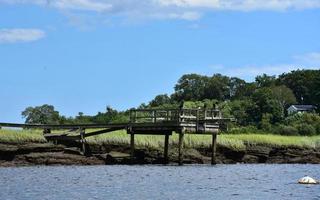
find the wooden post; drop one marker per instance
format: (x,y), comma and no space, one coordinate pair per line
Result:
(166,149)
(197,121)
(134,117)
(214,148)
(82,141)
(132,145)
(154,116)
(181,148)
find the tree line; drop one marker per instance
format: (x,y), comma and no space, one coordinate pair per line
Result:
(259,105)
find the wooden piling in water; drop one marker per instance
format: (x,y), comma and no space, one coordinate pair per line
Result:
(214,148)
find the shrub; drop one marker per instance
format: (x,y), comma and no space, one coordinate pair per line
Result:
(307,118)
(265,122)
(306,129)
(245,129)
(287,130)
(318,129)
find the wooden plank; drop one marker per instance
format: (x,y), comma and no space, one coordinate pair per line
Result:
(150,132)
(101,132)
(65,126)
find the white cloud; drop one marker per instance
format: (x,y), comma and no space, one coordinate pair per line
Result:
(245,5)
(310,58)
(20,35)
(81,5)
(89,5)
(170,9)
(306,61)
(185,15)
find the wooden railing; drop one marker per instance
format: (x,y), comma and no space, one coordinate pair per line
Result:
(173,115)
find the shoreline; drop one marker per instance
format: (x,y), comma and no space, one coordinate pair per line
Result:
(32,154)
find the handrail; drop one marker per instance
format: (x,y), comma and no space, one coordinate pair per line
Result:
(139,116)
(173,115)
(171,109)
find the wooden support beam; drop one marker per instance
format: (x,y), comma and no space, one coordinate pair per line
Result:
(214,148)
(52,137)
(166,149)
(108,130)
(181,148)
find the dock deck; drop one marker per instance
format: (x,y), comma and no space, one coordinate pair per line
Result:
(142,121)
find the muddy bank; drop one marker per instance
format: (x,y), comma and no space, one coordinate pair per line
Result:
(49,154)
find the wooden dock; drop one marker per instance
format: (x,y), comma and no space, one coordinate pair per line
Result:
(143,121)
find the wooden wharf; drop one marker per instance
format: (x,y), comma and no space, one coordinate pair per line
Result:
(143,121)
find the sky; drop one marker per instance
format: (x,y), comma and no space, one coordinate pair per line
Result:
(82,55)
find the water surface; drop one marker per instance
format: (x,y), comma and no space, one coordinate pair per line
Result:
(159,182)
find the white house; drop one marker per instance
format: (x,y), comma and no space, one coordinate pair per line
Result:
(300,109)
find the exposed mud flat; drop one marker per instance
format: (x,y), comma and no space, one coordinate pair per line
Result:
(50,154)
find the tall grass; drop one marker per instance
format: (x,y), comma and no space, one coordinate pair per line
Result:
(21,136)
(234,141)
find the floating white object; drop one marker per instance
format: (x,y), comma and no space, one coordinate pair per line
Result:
(307,180)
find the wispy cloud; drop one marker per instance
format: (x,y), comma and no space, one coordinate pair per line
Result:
(20,35)
(306,61)
(309,59)
(245,5)
(169,9)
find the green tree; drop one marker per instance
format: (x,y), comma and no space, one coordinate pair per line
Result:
(218,87)
(236,85)
(240,110)
(160,100)
(265,81)
(305,85)
(284,95)
(244,91)
(45,114)
(266,102)
(190,87)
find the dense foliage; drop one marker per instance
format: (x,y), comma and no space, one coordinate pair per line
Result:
(258,105)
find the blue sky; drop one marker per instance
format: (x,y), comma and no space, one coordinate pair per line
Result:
(81,55)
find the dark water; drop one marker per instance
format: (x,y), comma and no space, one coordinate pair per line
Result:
(159,182)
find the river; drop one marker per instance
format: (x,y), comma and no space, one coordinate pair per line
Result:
(159,182)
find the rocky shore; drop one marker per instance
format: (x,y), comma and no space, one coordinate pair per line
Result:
(50,154)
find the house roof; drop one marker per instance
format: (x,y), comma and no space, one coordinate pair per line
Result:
(304,107)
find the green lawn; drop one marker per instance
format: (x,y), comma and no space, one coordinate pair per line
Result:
(234,141)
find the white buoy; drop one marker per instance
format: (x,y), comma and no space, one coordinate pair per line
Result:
(307,180)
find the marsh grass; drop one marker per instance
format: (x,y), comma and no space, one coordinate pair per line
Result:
(21,136)
(233,141)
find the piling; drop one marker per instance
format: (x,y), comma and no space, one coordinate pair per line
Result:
(214,148)
(132,145)
(166,149)
(181,148)
(82,141)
